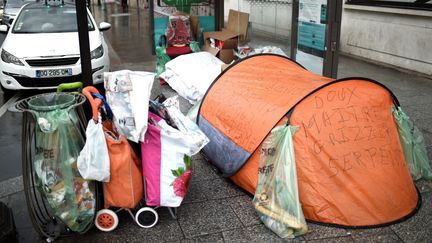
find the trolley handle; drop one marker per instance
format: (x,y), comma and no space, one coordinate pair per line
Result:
(74,85)
(95,103)
(108,111)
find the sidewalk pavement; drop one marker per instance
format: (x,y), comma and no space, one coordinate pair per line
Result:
(215,210)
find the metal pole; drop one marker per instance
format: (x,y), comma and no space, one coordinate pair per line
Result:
(219,14)
(86,69)
(294,28)
(152,29)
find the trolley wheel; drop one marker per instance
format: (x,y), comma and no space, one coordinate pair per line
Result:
(146,217)
(106,220)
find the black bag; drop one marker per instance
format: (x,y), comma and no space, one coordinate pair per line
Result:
(7,225)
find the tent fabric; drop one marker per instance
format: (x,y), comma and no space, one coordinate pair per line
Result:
(229,108)
(350,163)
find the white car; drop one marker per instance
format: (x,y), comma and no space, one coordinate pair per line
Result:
(11,9)
(41,49)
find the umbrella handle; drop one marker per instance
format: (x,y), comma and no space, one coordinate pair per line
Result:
(95,103)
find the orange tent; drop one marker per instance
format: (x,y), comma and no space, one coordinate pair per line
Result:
(350,164)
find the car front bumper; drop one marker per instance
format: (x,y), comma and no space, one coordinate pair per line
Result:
(17,77)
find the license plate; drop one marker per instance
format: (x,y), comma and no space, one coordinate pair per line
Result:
(53,73)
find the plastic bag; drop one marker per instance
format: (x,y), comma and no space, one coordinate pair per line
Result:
(192,74)
(161,59)
(166,168)
(58,144)
(413,145)
(196,138)
(276,198)
(93,161)
(193,112)
(125,188)
(128,95)
(194,46)
(156,107)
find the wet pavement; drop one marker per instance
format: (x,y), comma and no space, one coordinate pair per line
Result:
(215,210)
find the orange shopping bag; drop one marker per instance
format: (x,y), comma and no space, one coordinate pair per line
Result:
(125,188)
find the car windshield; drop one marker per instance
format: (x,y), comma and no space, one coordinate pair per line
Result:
(48,20)
(15,3)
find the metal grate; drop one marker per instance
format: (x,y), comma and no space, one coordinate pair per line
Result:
(49,62)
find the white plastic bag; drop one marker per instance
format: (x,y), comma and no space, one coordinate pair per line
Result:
(193,112)
(192,74)
(195,137)
(93,161)
(128,94)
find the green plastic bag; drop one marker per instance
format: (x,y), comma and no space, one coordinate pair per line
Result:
(276,198)
(58,142)
(161,59)
(413,145)
(194,46)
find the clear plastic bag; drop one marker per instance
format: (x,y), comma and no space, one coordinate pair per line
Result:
(276,198)
(58,144)
(413,145)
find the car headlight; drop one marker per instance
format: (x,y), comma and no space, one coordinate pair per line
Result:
(9,58)
(97,53)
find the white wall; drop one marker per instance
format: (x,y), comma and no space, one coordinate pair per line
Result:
(268,18)
(398,37)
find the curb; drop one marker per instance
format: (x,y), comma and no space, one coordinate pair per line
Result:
(11,186)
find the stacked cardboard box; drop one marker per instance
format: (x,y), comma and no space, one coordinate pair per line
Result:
(222,43)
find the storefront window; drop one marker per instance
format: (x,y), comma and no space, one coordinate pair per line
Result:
(268,24)
(405,4)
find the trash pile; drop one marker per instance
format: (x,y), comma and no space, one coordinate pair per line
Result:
(262,118)
(58,142)
(159,169)
(139,151)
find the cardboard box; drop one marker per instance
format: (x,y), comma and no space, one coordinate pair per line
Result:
(226,55)
(228,38)
(194,21)
(238,22)
(229,42)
